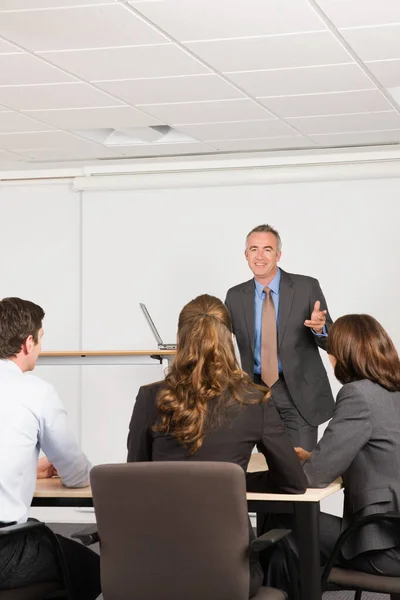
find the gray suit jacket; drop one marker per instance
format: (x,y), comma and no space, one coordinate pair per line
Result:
(362,444)
(302,366)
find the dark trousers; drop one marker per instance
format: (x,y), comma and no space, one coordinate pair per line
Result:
(377,562)
(30,558)
(276,570)
(301,433)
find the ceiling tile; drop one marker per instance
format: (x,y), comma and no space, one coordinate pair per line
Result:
(283,143)
(274,52)
(387,72)
(32,4)
(356,13)
(128,63)
(208,19)
(327,104)
(165,149)
(374,43)
(94,26)
(48,139)
(55,96)
(230,131)
(79,153)
(311,80)
(6,156)
(91,118)
(171,89)
(395,92)
(207,112)
(357,139)
(341,123)
(23,69)
(11,122)
(6,48)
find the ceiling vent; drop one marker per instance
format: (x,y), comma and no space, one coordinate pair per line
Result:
(134,136)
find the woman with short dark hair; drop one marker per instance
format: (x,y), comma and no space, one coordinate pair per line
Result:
(208,409)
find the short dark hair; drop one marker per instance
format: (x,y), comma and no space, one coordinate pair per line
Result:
(363,350)
(266,229)
(18,320)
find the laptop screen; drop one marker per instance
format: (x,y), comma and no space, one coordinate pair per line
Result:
(150,322)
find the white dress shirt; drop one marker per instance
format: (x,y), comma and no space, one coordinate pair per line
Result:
(32,417)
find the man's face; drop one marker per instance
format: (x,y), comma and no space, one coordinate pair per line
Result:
(33,350)
(262,255)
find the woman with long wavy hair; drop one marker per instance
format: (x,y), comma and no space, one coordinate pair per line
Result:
(207,409)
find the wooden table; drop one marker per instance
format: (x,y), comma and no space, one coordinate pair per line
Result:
(304,507)
(51,492)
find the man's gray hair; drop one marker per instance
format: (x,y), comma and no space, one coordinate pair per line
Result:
(266,229)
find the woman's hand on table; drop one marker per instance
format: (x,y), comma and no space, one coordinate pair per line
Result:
(302,454)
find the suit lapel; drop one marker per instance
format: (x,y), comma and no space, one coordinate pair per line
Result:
(248,309)
(286,293)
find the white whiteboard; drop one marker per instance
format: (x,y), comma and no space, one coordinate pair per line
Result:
(164,247)
(40,255)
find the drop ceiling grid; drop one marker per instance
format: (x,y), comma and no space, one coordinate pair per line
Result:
(230,74)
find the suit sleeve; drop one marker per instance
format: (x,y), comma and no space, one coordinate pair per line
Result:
(348,431)
(284,474)
(228,306)
(317,294)
(139,437)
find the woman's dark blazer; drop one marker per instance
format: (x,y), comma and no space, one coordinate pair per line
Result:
(241,427)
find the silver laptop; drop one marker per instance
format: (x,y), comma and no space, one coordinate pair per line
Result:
(160,343)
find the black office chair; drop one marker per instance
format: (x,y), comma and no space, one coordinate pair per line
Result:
(349,579)
(46,590)
(174,531)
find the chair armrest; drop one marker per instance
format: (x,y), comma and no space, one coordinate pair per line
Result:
(268,539)
(388,517)
(87,536)
(21,528)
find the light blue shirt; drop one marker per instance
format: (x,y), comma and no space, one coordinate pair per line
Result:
(259,296)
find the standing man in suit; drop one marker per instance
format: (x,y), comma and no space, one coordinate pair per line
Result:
(280,320)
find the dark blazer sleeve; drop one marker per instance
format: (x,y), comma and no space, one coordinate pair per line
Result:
(284,474)
(139,437)
(348,431)
(317,294)
(228,306)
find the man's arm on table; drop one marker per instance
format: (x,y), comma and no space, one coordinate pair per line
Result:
(60,445)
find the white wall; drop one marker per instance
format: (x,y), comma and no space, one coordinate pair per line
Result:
(163,247)
(90,259)
(41,256)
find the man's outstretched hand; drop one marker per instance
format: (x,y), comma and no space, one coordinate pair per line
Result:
(318,318)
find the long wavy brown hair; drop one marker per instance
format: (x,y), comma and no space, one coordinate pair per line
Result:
(205,375)
(363,350)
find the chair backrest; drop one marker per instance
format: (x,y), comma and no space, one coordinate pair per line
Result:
(172,530)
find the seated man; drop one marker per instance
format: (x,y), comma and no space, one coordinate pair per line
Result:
(32,417)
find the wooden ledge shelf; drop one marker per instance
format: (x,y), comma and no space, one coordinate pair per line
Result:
(108,353)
